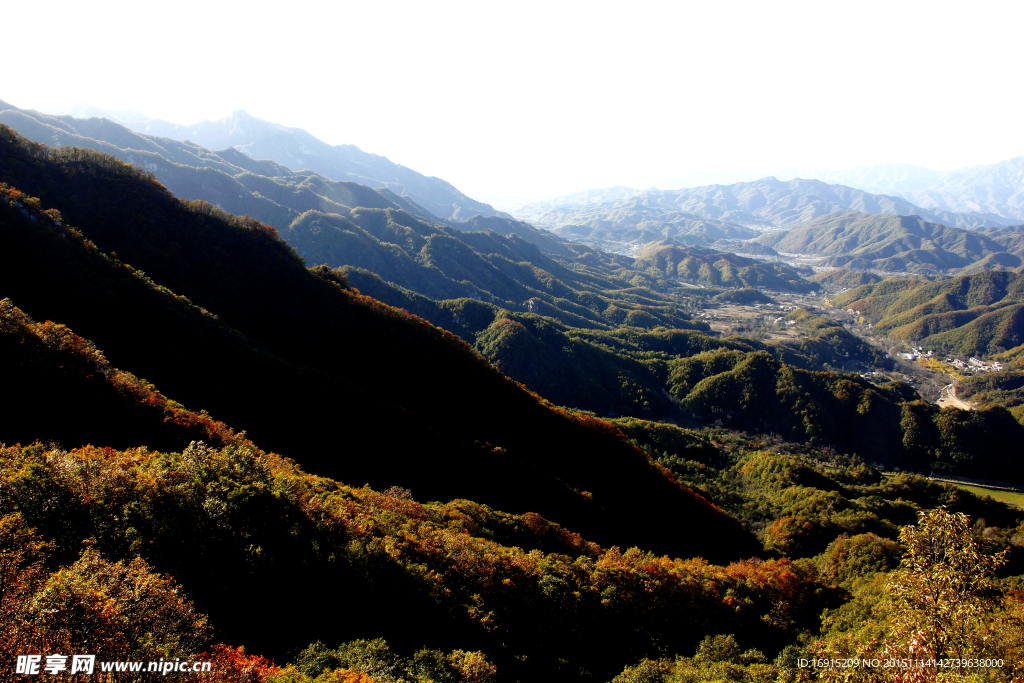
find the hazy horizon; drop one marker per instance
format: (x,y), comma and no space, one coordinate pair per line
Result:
(504,202)
(532,102)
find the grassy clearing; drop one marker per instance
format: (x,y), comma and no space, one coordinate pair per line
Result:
(1012,497)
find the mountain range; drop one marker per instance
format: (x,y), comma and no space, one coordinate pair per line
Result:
(487,258)
(278,195)
(859,241)
(547,540)
(765,203)
(545,311)
(995,190)
(292,148)
(991,189)
(891,179)
(581,340)
(233,322)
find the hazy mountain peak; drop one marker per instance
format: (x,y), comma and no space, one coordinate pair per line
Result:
(297,150)
(84,110)
(885,178)
(996,190)
(693,213)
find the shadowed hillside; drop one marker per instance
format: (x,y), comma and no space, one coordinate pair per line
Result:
(227,318)
(69,393)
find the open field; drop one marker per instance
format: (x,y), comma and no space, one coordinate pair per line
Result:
(1015,498)
(736,318)
(1011,497)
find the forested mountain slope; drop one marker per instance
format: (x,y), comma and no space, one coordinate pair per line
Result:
(967,315)
(227,318)
(860,241)
(69,393)
(179,542)
(886,423)
(250,520)
(230,522)
(717,269)
(840,279)
(996,389)
(582,288)
(1011,238)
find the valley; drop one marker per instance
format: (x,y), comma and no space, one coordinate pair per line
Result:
(656,436)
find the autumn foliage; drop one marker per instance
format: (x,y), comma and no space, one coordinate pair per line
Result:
(223,519)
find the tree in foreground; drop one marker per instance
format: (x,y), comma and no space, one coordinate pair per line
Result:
(946,618)
(943,590)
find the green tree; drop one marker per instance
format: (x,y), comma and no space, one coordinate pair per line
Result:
(943,590)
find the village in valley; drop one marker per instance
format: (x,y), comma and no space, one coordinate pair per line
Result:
(972,364)
(778,316)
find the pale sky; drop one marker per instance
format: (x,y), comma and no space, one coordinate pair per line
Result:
(530,100)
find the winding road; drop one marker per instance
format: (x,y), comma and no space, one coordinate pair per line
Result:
(948,398)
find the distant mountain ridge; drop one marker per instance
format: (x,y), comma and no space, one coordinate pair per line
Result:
(488,258)
(633,221)
(884,178)
(861,241)
(992,189)
(765,203)
(996,188)
(298,150)
(228,178)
